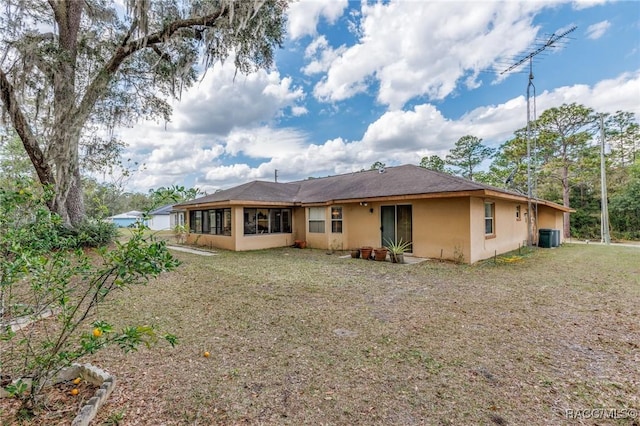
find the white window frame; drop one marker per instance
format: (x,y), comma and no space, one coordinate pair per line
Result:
(317,219)
(335,219)
(491,218)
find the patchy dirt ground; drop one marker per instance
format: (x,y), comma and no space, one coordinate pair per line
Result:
(302,337)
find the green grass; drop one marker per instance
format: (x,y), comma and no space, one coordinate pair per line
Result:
(302,337)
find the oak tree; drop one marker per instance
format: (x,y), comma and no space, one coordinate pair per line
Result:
(68,68)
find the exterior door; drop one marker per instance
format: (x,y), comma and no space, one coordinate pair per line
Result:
(396,223)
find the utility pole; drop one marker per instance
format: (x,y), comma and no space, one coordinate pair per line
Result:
(529,57)
(604,209)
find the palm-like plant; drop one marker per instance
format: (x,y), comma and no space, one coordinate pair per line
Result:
(397,247)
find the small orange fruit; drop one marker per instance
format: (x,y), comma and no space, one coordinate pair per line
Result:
(206,354)
(77,380)
(74,391)
(97,332)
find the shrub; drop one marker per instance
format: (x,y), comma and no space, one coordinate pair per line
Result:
(42,272)
(91,233)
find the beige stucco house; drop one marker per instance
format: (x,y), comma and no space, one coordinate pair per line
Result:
(440,214)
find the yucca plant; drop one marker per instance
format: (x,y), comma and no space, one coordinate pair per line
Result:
(397,249)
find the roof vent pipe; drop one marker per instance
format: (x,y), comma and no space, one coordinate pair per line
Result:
(381,170)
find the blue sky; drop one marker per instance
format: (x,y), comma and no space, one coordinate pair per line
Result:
(392,81)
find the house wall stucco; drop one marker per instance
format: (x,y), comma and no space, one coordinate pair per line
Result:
(299,224)
(438,225)
(550,219)
(361,227)
(441,228)
(510,233)
(447,228)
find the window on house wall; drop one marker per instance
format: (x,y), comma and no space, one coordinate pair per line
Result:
(518,213)
(336,220)
(316,220)
(266,221)
(489,218)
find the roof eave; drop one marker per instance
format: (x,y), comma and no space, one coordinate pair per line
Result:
(238,203)
(403,197)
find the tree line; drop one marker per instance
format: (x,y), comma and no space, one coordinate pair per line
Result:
(564,145)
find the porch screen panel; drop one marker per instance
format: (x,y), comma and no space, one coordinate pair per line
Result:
(215,219)
(249,221)
(197,226)
(263,221)
(192,221)
(286,220)
(276,220)
(226,222)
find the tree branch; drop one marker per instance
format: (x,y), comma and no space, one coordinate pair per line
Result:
(19,121)
(31,41)
(99,84)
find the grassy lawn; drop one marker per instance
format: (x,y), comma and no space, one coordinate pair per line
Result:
(302,337)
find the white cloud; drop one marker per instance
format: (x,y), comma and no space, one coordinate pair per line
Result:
(297,111)
(303,15)
(396,137)
(419,128)
(584,4)
(608,96)
(596,31)
(225,100)
(264,142)
(399,137)
(224,115)
(424,48)
(321,55)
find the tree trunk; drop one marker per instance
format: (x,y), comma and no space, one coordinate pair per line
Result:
(75,201)
(65,139)
(565,200)
(68,202)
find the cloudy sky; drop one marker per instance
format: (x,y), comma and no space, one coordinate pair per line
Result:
(391,81)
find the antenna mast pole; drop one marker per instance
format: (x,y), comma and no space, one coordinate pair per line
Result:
(528,138)
(529,57)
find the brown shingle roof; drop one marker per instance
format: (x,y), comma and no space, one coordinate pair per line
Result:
(401,180)
(252,191)
(394,181)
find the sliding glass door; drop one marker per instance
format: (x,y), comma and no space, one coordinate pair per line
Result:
(396,223)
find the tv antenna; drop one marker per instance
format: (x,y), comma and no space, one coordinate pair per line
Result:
(553,39)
